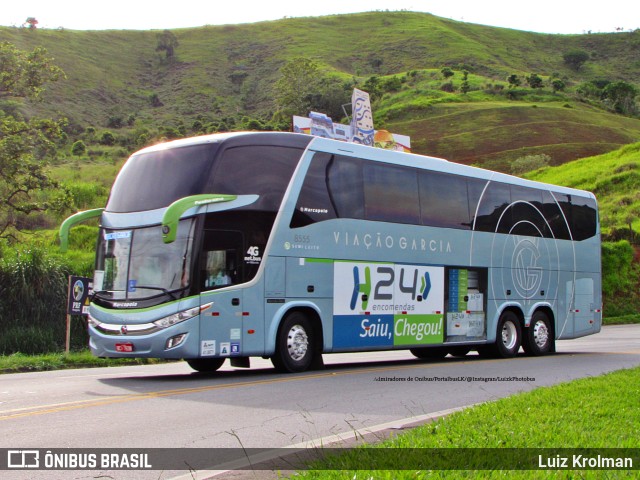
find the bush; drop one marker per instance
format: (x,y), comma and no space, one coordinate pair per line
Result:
(448,87)
(78,148)
(529,162)
(619,279)
(33,288)
(87,195)
(575,58)
(107,138)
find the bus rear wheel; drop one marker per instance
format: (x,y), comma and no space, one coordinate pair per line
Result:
(509,335)
(205,365)
(294,344)
(538,338)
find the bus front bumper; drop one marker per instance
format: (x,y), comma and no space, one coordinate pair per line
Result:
(132,341)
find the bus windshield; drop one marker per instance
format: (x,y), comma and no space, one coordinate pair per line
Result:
(135,263)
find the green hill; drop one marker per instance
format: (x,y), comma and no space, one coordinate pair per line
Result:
(229,71)
(615,180)
(493,134)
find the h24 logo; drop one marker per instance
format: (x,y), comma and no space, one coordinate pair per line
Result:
(387,281)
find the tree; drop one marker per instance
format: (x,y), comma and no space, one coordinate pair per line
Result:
(535,81)
(297,83)
(447,72)
(167,43)
(621,96)
(590,90)
(330,95)
(513,80)
(24,74)
(464,86)
(558,85)
(78,148)
(107,138)
(26,146)
(302,88)
(373,86)
(575,59)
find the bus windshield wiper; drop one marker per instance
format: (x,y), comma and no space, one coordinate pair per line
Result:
(171,293)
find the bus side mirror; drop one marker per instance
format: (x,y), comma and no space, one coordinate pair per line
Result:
(176,209)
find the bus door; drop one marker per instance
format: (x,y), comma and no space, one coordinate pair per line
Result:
(220,268)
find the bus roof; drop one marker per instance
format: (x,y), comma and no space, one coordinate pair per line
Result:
(376,154)
(244,138)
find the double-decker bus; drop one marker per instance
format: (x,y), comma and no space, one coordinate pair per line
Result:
(287,246)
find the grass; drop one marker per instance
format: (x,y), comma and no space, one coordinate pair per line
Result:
(19,362)
(623,320)
(591,413)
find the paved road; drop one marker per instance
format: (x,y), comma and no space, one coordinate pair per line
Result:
(171,406)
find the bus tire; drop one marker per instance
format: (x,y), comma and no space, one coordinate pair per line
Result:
(508,335)
(538,338)
(426,353)
(295,344)
(205,365)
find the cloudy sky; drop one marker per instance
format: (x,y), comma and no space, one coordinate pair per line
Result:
(547,16)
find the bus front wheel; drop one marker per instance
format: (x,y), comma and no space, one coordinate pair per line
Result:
(294,344)
(539,338)
(205,365)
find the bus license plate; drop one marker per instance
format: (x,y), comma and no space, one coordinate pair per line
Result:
(124,347)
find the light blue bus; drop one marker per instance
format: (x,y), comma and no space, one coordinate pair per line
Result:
(287,246)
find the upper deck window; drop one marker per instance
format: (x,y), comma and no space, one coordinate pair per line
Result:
(257,170)
(156,179)
(153,180)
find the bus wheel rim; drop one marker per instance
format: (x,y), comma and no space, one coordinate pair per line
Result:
(297,342)
(540,334)
(509,335)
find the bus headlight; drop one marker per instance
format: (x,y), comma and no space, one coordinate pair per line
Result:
(176,318)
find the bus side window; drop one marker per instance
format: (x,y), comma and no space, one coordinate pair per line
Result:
(554,216)
(496,198)
(314,202)
(443,200)
(216,270)
(219,259)
(584,216)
